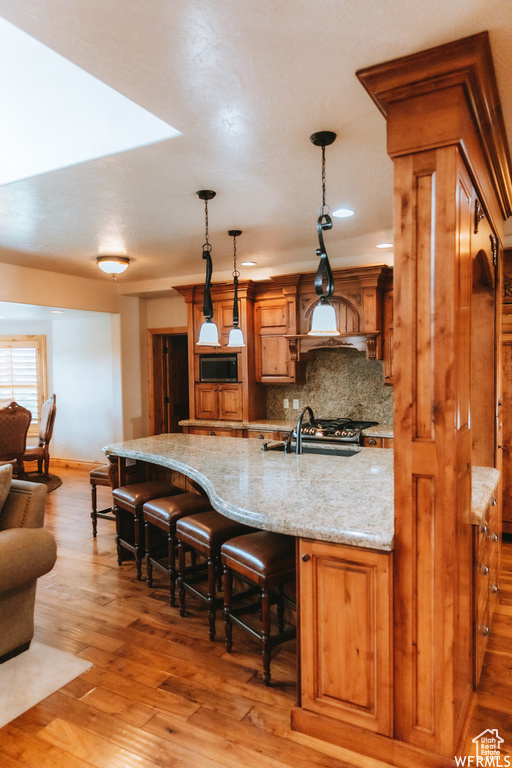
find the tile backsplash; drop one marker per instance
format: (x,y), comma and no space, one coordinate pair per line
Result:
(339,382)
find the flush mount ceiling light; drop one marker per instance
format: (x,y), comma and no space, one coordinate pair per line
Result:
(236,338)
(113,265)
(208,333)
(323,322)
(384,245)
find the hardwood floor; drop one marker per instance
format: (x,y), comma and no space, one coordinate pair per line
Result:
(159,693)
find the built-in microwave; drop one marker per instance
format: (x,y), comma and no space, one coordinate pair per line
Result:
(218,367)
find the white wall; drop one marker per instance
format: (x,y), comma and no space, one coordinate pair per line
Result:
(87,384)
(167,312)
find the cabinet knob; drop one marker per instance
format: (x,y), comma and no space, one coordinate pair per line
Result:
(305,558)
(485,630)
(211,433)
(261,437)
(484,529)
(494,588)
(494,537)
(485,570)
(371,441)
(494,502)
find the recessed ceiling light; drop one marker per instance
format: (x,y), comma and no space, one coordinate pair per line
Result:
(57,311)
(58,115)
(248,263)
(343,213)
(385,245)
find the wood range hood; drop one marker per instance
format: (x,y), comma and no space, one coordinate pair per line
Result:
(358,301)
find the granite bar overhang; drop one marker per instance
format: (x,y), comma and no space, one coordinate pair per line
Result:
(346,500)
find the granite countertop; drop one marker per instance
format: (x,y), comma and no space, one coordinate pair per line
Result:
(380,430)
(330,498)
(344,500)
(268,425)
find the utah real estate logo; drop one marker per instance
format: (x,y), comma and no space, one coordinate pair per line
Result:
(488,752)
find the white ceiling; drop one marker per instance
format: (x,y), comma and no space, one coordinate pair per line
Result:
(245,83)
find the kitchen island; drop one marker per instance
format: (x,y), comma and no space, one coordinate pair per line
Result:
(341,509)
(345,500)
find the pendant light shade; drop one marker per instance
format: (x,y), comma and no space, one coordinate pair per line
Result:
(208,333)
(236,337)
(323,322)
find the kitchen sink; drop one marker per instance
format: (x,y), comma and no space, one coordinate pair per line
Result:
(326,450)
(314,448)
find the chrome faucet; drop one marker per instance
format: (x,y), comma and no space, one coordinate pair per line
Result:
(298,429)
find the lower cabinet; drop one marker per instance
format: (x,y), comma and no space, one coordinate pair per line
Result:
(346,634)
(378,442)
(216,431)
(486,544)
(218,401)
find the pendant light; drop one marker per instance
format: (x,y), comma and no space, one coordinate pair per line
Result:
(323,322)
(236,337)
(208,333)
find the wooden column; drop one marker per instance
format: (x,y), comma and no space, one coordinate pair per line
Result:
(447,141)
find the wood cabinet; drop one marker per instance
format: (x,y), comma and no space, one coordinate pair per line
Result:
(486,544)
(243,400)
(505,406)
(275,317)
(219,401)
(214,431)
(378,442)
(345,634)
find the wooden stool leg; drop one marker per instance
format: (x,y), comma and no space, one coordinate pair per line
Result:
(171,550)
(265,635)
(280,609)
(119,549)
(211,601)
(149,565)
(94,513)
(181,573)
(228,628)
(138,548)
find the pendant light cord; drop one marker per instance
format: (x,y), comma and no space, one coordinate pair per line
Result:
(207,299)
(324,223)
(236,275)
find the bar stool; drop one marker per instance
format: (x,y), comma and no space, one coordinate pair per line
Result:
(160,517)
(204,534)
(99,476)
(266,561)
(128,503)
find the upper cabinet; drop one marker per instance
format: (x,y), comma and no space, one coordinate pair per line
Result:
(275,317)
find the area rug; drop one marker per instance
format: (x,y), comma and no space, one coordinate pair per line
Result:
(52,482)
(32,676)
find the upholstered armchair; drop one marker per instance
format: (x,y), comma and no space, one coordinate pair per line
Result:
(27,551)
(41,451)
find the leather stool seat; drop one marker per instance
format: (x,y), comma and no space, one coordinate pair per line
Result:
(99,476)
(263,556)
(163,514)
(128,503)
(265,561)
(204,533)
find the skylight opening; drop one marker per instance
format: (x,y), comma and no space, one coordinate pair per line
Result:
(54,114)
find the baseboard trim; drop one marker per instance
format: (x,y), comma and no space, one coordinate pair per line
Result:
(76,463)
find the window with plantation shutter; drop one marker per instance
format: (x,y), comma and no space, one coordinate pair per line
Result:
(23,374)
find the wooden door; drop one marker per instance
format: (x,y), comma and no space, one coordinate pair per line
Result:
(345,634)
(169,393)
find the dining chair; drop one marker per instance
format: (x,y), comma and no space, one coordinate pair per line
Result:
(41,451)
(14,423)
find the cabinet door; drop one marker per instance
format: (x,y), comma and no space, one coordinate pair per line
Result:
(230,401)
(345,634)
(207,401)
(273,361)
